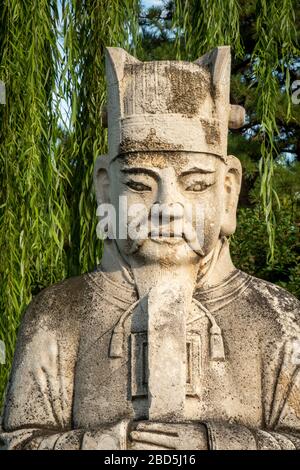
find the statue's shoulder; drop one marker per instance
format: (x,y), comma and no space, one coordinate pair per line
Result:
(66,304)
(274,304)
(274,296)
(60,304)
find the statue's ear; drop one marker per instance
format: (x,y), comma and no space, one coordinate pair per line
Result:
(232,186)
(101,180)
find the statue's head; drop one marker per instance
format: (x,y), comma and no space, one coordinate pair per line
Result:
(167,173)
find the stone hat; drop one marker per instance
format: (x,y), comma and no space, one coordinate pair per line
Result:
(170,105)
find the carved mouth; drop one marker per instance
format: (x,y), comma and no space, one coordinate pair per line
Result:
(167,237)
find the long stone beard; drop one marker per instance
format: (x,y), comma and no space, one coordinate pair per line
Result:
(166,293)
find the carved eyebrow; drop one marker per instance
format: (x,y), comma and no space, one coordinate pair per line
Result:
(196,169)
(139,170)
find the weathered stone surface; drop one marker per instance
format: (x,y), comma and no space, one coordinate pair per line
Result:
(166,345)
(165,105)
(166,353)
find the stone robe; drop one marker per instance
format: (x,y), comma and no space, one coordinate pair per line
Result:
(66,392)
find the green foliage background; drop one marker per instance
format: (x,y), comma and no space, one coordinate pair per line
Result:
(52,62)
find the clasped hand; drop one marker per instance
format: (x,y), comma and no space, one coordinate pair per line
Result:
(149,435)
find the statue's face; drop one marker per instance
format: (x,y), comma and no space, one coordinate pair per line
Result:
(168,183)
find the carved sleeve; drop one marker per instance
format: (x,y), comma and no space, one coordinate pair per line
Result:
(39,399)
(224,436)
(280,427)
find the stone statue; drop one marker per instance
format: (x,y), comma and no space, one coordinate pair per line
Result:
(166,345)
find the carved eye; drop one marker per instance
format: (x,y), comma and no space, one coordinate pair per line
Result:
(198,186)
(138,186)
